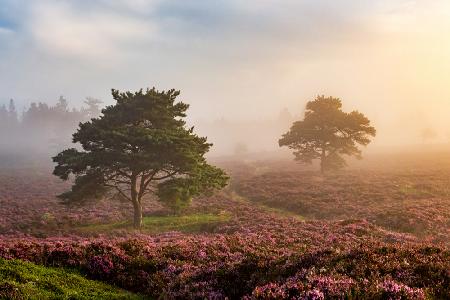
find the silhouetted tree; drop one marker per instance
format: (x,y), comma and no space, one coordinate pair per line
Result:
(4,119)
(138,146)
(42,127)
(12,113)
(62,105)
(327,133)
(9,125)
(93,107)
(3,113)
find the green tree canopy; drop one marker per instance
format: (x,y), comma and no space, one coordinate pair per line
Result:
(327,133)
(139,146)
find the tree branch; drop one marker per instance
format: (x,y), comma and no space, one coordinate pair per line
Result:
(119,191)
(144,183)
(166,176)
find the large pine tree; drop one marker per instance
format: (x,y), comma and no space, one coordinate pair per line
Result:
(138,146)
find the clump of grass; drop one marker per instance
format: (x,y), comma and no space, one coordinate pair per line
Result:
(24,280)
(158,224)
(280,211)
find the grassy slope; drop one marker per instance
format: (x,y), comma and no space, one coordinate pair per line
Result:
(24,280)
(158,224)
(269,209)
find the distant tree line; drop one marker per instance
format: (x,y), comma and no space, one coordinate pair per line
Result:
(42,128)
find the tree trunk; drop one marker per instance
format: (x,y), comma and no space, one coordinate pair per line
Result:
(322,162)
(137,215)
(137,221)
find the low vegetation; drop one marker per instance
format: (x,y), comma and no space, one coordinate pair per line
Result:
(277,232)
(24,280)
(416,203)
(159,224)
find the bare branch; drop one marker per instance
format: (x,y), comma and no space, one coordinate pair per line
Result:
(145,179)
(166,176)
(119,191)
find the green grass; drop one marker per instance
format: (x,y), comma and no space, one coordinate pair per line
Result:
(282,212)
(24,280)
(274,210)
(159,224)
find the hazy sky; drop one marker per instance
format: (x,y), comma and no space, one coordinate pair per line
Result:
(387,58)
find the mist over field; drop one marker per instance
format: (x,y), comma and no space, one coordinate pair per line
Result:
(238,63)
(225,149)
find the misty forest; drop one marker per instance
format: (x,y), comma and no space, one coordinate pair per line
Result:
(194,155)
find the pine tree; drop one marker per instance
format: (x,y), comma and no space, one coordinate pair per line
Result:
(327,133)
(138,146)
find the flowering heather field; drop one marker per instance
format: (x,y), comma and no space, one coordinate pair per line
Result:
(409,202)
(277,232)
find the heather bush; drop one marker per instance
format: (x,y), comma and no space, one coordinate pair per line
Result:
(256,252)
(234,266)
